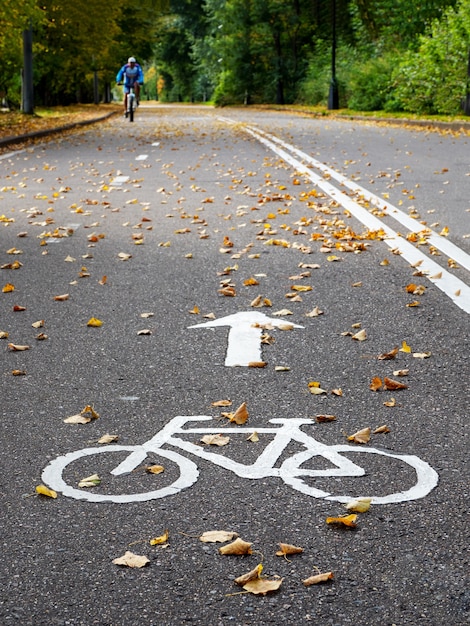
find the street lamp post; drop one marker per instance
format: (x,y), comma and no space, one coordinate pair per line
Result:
(333,97)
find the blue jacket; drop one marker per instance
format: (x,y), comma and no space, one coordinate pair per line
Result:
(130,75)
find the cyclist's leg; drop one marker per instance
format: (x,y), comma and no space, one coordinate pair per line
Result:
(137,93)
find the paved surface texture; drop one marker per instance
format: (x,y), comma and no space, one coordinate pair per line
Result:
(161,217)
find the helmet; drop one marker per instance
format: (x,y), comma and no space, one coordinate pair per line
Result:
(131,60)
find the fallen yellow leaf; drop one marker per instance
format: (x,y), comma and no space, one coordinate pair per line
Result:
(45,491)
(158,541)
(94,322)
(345,520)
(154,469)
(215,440)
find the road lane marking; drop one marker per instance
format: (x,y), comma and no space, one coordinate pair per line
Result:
(453,287)
(119,180)
(291,469)
(244,339)
(434,239)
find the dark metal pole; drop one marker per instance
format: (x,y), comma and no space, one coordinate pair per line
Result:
(27,105)
(466,104)
(96,93)
(333,96)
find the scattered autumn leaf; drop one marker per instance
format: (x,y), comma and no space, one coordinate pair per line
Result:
(405,347)
(61,298)
(45,491)
(318,578)
(393,385)
(90,481)
(401,372)
(382,429)
(259,364)
(254,437)
(390,403)
(215,440)
(94,322)
(387,356)
(344,520)
(262,586)
(237,548)
(359,505)
(287,548)
(108,438)
(154,469)
(361,436)
(376,383)
(129,559)
(240,416)
(217,536)
(361,335)
(221,403)
(161,540)
(421,355)
(325,418)
(8,288)
(14,347)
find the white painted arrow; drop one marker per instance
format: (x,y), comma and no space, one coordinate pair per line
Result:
(244,338)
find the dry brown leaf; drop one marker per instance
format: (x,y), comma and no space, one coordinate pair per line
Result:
(262,586)
(325,418)
(249,576)
(387,356)
(38,324)
(240,416)
(215,440)
(318,578)
(393,385)
(154,469)
(129,559)
(108,438)
(382,429)
(401,372)
(237,548)
(344,520)
(228,291)
(421,355)
(61,298)
(221,403)
(14,347)
(361,436)
(259,364)
(390,403)
(287,548)
(361,335)
(218,536)
(254,437)
(315,312)
(376,384)
(337,392)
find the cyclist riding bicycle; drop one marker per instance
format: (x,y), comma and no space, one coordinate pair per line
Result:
(132,75)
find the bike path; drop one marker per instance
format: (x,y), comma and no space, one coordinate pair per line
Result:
(214,184)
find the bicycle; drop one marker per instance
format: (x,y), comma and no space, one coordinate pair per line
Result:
(290,470)
(131,104)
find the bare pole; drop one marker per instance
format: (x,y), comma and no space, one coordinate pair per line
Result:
(27,105)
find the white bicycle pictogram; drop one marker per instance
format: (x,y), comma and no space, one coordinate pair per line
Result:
(290,469)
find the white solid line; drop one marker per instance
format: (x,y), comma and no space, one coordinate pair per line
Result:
(446,282)
(434,239)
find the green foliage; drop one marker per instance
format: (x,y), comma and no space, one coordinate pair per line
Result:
(434,78)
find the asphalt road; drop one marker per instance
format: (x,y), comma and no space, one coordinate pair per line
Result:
(162,225)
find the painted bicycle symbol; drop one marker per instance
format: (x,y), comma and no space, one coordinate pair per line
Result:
(290,470)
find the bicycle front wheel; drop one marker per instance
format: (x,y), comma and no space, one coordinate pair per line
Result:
(186,474)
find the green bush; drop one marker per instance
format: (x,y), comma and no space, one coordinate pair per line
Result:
(368,84)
